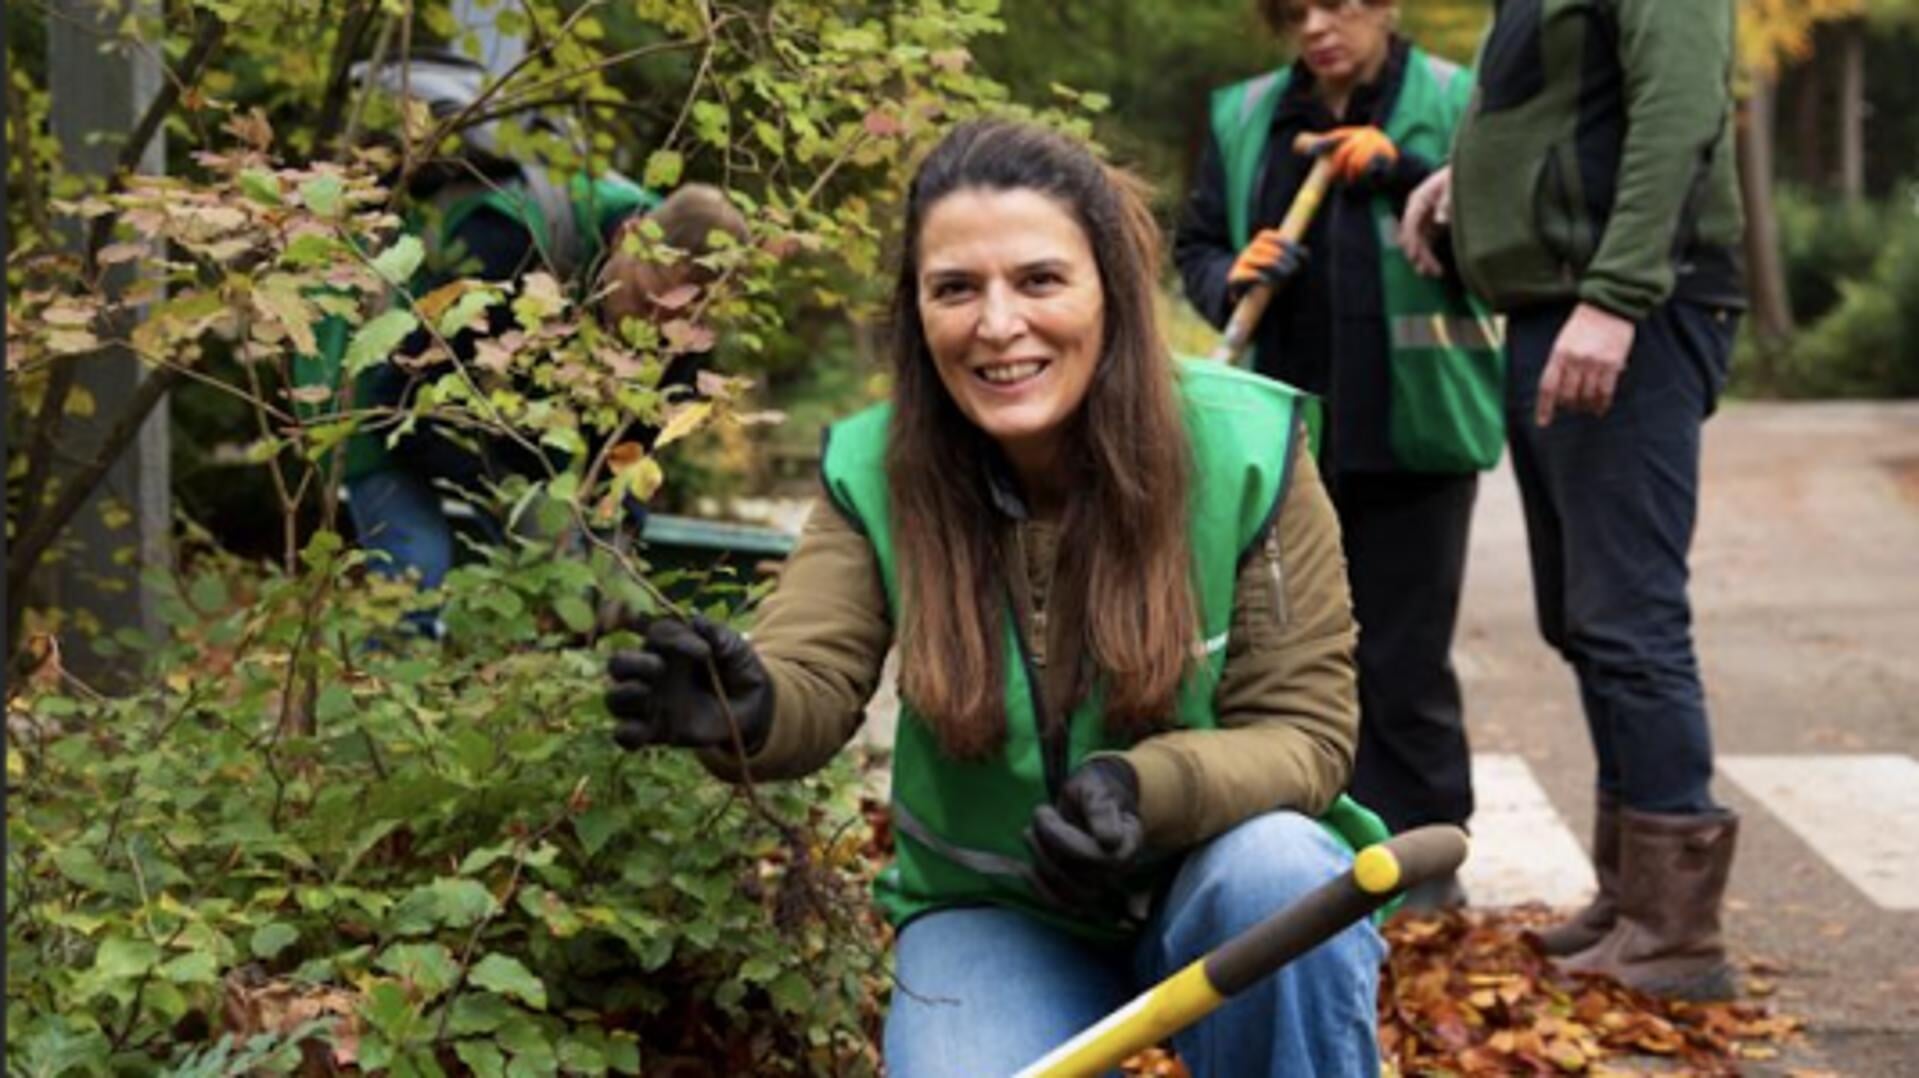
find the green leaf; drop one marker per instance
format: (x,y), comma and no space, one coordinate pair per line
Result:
(759,969)
(595,827)
(528,1041)
(334,703)
(261,186)
(82,867)
(579,1056)
(663,168)
(791,992)
(375,341)
(505,975)
(199,967)
(623,1053)
(575,612)
(459,903)
(485,1060)
(466,310)
(479,860)
(429,967)
(479,1012)
(552,910)
(270,939)
(310,249)
(208,592)
(713,124)
(397,263)
(324,195)
(388,1010)
(122,957)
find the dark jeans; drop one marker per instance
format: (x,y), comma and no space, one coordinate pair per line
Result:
(1610,503)
(1405,538)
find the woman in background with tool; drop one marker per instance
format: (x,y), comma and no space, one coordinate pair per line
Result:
(1407,368)
(1126,681)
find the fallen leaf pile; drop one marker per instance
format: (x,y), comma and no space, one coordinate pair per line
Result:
(1468,993)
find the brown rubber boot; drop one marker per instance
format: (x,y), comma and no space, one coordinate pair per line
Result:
(1672,879)
(1590,924)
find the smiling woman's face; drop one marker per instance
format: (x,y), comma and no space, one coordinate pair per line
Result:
(1014,314)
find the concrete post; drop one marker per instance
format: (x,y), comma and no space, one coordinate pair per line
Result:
(100,84)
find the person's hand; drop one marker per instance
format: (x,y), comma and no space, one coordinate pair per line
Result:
(1269,259)
(1087,842)
(663,694)
(1587,359)
(1429,213)
(1357,153)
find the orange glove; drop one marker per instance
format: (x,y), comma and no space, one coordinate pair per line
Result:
(1270,259)
(1358,152)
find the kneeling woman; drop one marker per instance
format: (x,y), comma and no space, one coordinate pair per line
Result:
(1126,644)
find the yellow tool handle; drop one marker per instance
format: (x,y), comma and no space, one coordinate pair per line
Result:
(1379,872)
(1239,330)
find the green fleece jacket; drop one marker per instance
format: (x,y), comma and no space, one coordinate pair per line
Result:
(1596,162)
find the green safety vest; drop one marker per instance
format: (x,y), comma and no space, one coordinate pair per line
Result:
(957,824)
(582,213)
(1447,367)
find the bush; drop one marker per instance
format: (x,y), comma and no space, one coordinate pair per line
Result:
(413,858)
(1868,344)
(1825,240)
(1851,269)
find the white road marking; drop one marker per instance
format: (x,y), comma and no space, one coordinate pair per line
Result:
(1522,850)
(1858,812)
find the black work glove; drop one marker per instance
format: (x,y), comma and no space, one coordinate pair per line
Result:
(1090,839)
(663,693)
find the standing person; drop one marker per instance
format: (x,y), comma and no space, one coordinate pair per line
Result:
(1125,641)
(1408,368)
(1593,198)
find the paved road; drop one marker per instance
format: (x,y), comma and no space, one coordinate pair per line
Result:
(1806,594)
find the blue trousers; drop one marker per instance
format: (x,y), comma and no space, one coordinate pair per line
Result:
(987,990)
(1610,503)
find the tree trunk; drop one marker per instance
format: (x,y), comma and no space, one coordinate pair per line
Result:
(1808,123)
(1771,311)
(1852,109)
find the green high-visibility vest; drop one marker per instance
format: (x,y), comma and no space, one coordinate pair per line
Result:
(1447,367)
(957,824)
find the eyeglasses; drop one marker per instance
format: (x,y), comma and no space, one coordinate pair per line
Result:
(1292,13)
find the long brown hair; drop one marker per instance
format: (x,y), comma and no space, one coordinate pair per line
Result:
(1128,579)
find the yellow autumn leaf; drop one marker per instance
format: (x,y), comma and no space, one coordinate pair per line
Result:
(684,422)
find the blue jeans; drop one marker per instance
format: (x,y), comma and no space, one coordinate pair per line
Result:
(984,991)
(1610,503)
(397,516)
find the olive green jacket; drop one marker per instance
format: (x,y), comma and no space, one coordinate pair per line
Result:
(1596,162)
(1287,703)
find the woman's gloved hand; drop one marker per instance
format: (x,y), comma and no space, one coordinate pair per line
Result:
(662,694)
(1358,153)
(1269,259)
(1090,839)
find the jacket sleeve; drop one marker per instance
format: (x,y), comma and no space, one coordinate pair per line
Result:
(1287,700)
(1674,58)
(823,635)
(1203,246)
